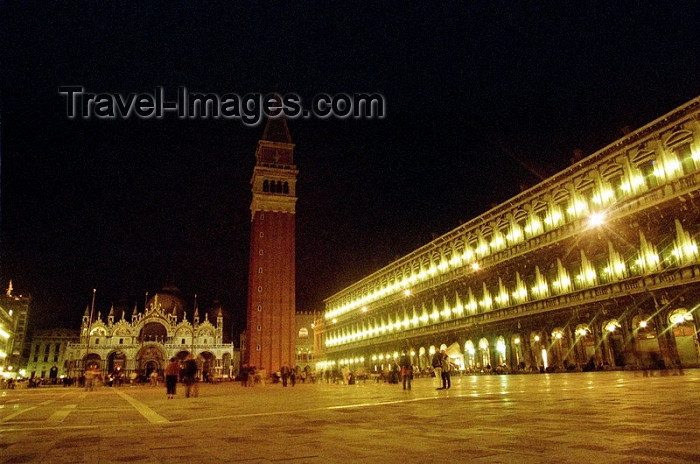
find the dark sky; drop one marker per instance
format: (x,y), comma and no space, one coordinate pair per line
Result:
(481,99)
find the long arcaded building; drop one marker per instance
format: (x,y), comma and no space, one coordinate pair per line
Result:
(597,265)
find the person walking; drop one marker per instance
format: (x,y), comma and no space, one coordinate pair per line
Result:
(406,370)
(171,373)
(190,374)
(91,377)
(437,368)
(446,368)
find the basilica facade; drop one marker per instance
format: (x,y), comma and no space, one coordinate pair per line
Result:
(135,346)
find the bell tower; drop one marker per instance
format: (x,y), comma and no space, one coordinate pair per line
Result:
(270,329)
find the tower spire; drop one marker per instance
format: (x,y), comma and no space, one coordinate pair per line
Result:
(276,130)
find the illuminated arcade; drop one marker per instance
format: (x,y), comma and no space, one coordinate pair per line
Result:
(597,266)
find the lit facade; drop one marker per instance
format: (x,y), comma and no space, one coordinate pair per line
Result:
(271,330)
(304,338)
(147,340)
(597,265)
(14,314)
(47,356)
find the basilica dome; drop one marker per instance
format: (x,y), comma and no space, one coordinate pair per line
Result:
(170,300)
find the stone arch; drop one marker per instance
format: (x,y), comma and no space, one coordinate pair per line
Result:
(116,361)
(559,348)
(153,331)
(484,353)
(538,350)
(501,347)
(684,330)
(585,346)
(614,342)
(423,361)
(149,358)
(207,365)
(469,354)
(517,360)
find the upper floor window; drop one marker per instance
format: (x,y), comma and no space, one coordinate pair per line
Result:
(303,332)
(685,156)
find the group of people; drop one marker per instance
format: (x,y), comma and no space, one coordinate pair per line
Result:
(188,371)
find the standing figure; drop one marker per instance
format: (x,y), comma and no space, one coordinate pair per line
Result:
(406,370)
(436,363)
(284,372)
(190,374)
(171,373)
(446,368)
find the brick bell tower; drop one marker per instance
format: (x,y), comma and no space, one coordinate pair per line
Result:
(270,330)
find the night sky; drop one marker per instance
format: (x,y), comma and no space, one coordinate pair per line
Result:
(481,100)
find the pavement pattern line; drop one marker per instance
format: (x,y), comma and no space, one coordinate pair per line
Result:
(13,415)
(61,414)
(150,415)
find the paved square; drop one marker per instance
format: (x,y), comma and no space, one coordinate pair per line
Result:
(601,417)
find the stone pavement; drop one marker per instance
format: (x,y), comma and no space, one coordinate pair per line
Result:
(600,417)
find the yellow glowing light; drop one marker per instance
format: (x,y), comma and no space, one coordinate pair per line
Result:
(680,316)
(407,292)
(537,338)
(475,266)
(643,324)
(596,219)
(517,341)
(515,235)
(553,218)
(334,320)
(4,334)
(497,242)
(577,208)
(501,347)
(364,309)
(612,326)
